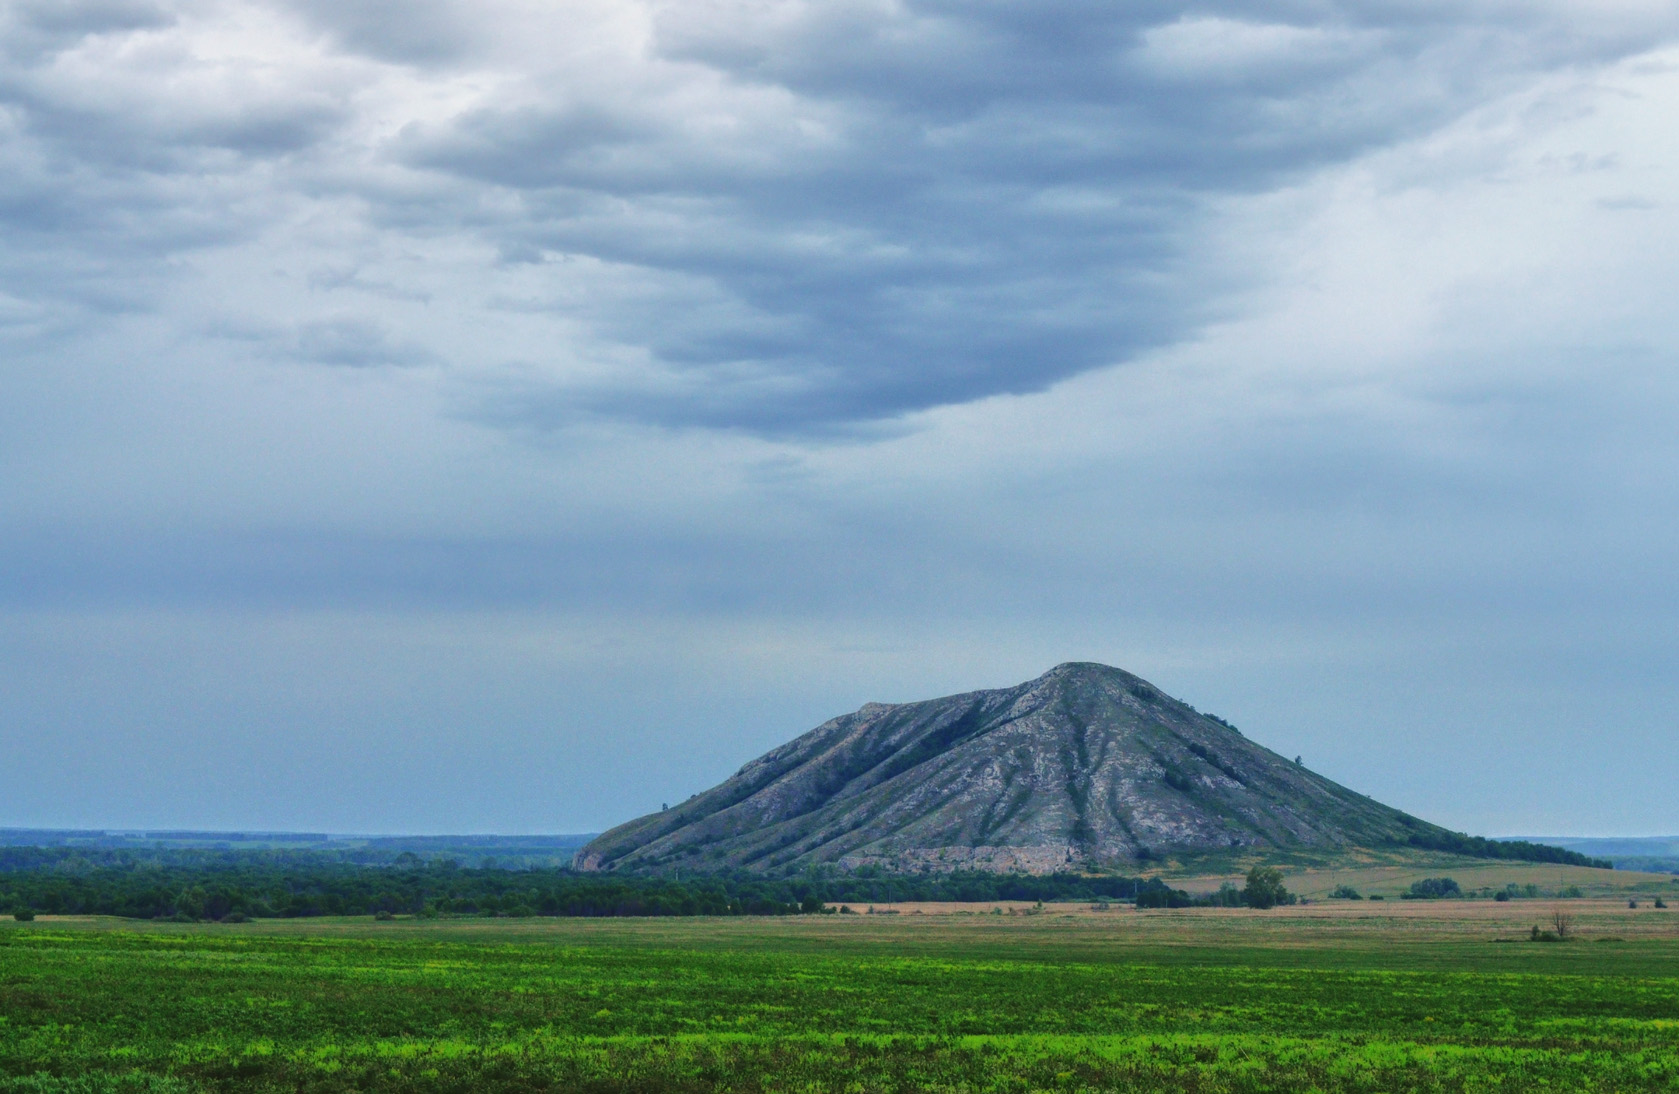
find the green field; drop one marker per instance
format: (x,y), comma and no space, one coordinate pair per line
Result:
(1321,998)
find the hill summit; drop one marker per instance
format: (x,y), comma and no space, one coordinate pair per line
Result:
(1086,767)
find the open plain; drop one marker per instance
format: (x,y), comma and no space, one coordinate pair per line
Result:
(1346,996)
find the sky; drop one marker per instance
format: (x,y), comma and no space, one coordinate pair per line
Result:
(509,416)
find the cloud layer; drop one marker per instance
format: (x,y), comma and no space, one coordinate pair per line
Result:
(518,378)
(780,217)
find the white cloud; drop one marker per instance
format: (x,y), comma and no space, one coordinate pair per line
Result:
(1203,49)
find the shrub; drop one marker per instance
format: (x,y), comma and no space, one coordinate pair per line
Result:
(1660,903)
(1502,895)
(23,915)
(1432,888)
(1163,898)
(1222,722)
(384,916)
(1228,896)
(1345,892)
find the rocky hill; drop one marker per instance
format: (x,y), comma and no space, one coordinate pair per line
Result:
(1086,767)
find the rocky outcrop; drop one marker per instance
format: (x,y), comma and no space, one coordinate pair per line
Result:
(1086,767)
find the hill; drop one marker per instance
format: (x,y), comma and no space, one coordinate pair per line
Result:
(1659,854)
(1085,768)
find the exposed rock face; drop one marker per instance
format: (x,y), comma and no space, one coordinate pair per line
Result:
(1085,767)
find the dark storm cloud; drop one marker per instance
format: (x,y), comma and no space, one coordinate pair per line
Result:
(797,217)
(844,212)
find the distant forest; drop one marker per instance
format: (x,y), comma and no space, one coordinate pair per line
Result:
(196,884)
(1439,839)
(507,852)
(217,884)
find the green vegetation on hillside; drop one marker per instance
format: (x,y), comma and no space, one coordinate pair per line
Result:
(1428,837)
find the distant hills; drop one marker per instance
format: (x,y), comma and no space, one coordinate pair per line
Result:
(1085,768)
(1657,854)
(473,850)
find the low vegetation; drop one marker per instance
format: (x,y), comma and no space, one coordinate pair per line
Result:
(1432,888)
(1429,837)
(1229,1002)
(216,885)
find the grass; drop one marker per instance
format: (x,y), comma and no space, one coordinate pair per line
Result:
(1390,878)
(1327,998)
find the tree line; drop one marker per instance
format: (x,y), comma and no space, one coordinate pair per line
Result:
(1516,850)
(218,884)
(234,884)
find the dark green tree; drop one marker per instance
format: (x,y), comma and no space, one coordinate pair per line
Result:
(1265,888)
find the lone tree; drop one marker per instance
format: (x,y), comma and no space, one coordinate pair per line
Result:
(1265,888)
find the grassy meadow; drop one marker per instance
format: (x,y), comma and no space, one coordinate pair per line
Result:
(1389,877)
(1389,997)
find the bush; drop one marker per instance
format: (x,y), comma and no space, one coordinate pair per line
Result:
(1228,896)
(1345,892)
(1502,895)
(383,916)
(1660,903)
(23,915)
(1164,898)
(1432,888)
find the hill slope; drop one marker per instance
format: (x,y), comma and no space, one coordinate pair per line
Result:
(1086,767)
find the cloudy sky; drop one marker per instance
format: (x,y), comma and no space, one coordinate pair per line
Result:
(509,415)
